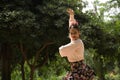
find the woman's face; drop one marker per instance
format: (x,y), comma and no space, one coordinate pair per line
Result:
(74,34)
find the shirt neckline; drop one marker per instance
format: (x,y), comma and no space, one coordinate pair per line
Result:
(75,40)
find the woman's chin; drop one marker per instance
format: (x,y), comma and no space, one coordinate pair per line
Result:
(74,39)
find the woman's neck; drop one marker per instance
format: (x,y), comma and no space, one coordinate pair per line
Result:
(75,39)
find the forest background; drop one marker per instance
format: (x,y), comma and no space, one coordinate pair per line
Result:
(31,31)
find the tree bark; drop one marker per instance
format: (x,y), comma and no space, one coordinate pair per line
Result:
(32,68)
(22,70)
(6,69)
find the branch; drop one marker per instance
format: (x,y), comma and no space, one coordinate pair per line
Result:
(23,53)
(44,60)
(41,49)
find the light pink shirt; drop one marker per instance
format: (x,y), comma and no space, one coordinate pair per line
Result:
(74,50)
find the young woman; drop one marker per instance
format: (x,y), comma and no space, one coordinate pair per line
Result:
(74,51)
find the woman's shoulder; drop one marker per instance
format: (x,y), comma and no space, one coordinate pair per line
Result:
(79,42)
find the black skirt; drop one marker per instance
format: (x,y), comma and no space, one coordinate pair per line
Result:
(80,71)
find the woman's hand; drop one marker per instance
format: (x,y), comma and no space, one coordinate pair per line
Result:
(70,11)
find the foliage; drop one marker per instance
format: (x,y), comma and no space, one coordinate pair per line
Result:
(54,69)
(37,22)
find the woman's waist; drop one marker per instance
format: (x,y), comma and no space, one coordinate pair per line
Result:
(75,59)
(80,61)
(77,63)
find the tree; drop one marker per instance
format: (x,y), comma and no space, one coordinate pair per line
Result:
(99,35)
(27,28)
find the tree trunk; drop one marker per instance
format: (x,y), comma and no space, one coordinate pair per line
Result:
(22,70)
(5,58)
(32,72)
(99,67)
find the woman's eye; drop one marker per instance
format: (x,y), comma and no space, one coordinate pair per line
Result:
(73,33)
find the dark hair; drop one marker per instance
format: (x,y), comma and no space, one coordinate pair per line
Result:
(74,27)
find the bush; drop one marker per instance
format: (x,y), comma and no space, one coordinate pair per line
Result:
(112,76)
(54,70)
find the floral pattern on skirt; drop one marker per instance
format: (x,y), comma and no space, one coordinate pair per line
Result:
(80,71)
